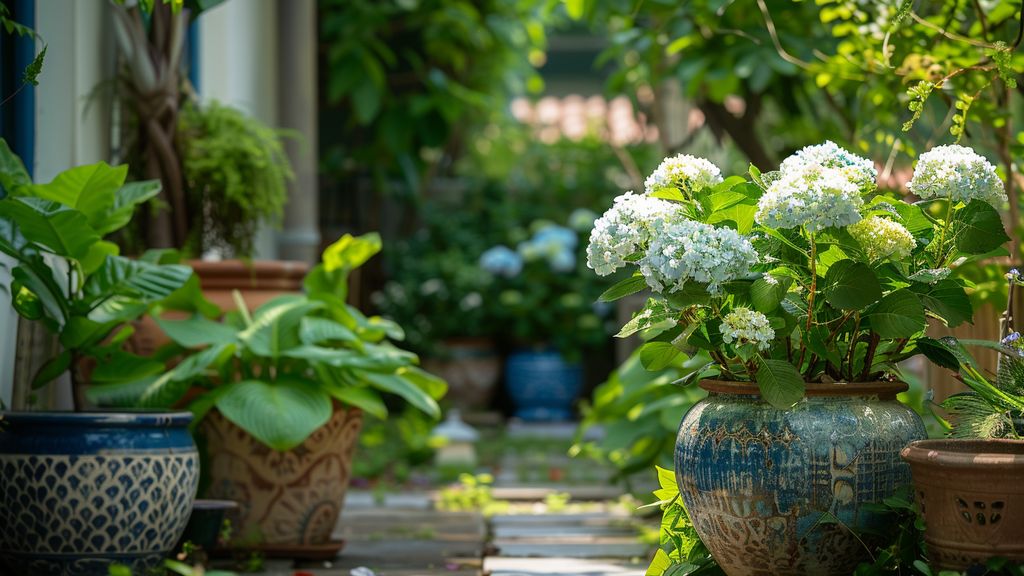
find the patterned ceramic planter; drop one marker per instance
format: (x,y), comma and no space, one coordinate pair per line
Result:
(289,501)
(972,499)
(81,491)
(777,491)
(542,384)
(471,368)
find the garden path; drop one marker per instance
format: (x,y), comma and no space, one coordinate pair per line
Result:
(555,516)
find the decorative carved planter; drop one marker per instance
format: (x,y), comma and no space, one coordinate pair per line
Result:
(971,495)
(79,491)
(472,369)
(777,491)
(289,501)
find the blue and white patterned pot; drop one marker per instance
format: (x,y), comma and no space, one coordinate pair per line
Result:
(778,491)
(79,491)
(542,384)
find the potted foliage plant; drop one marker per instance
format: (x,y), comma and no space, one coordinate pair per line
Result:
(278,394)
(547,311)
(80,490)
(807,287)
(968,486)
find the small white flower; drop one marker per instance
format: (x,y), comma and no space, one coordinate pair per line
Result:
(624,230)
(770,280)
(958,173)
(813,196)
(687,173)
(746,326)
(882,238)
(687,250)
(860,171)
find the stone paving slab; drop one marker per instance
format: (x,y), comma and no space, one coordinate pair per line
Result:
(499,566)
(539,492)
(558,531)
(583,547)
(421,500)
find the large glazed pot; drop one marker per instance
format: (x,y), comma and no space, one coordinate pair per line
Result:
(289,501)
(542,384)
(778,492)
(971,495)
(79,491)
(471,368)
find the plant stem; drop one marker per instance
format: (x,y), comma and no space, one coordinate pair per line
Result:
(869,358)
(810,299)
(940,252)
(77,382)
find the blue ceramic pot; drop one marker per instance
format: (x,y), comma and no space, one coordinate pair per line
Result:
(778,491)
(542,384)
(79,491)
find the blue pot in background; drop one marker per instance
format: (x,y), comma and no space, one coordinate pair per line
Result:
(784,491)
(80,491)
(542,385)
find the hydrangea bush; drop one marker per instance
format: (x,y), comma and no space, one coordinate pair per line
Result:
(805,274)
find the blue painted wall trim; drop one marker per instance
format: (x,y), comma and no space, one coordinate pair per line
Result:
(193,46)
(18,118)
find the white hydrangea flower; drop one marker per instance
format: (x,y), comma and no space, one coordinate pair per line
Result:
(746,326)
(685,172)
(686,250)
(958,173)
(624,229)
(882,238)
(815,197)
(860,171)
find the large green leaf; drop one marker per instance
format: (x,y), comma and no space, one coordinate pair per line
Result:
(623,288)
(280,414)
(33,278)
(125,199)
(851,285)
(898,315)
(977,228)
(121,366)
(947,299)
(780,382)
(60,229)
(654,312)
(658,355)
(120,276)
(13,174)
(315,330)
(361,397)
(197,331)
(412,393)
(189,298)
(276,324)
(167,389)
(340,258)
(766,296)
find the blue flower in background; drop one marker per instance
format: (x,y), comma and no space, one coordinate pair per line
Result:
(582,220)
(557,235)
(562,261)
(502,261)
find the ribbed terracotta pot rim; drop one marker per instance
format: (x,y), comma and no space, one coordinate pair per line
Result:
(210,269)
(882,389)
(992,454)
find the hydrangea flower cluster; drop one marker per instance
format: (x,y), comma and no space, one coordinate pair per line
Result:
(623,230)
(685,172)
(882,238)
(746,326)
(860,171)
(958,173)
(685,250)
(502,261)
(810,195)
(556,244)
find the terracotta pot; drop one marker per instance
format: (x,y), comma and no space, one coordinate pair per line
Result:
(289,501)
(778,492)
(971,495)
(258,281)
(472,369)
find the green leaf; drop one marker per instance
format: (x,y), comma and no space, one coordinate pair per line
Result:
(977,228)
(189,298)
(689,294)
(400,386)
(34,68)
(121,366)
(97,254)
(90,189)
(315,330)
(276,325)
(361,397)
(947,299)
(940,354)
(120,276)
(766,296)
(197,331)
(52,369)
(281,414)
(658,355)
(62,230)
(125,199)
(654,312)
(898,315)
(13,174)
(575,8)
(851,285)
(780,382)
(623,288)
